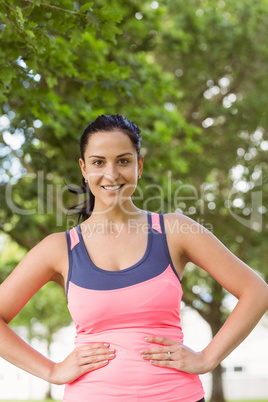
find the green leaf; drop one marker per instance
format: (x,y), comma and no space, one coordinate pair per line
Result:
(110,14)
(109,31)
(76,36)
(29,33)
(6,76)
(51,81)
(3,97)
(20,17)
(93,20)
(86,7)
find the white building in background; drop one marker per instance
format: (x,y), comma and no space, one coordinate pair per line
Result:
(245,369)
(245,376)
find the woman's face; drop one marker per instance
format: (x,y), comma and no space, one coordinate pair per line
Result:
(111,168)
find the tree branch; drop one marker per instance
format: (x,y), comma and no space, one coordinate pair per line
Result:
(216,100)
(55,7)
(8,6)
(189,302)
(195,104)
(11,21)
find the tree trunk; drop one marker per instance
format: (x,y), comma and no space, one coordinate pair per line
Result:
(48,393)
(217,385)
(49,341)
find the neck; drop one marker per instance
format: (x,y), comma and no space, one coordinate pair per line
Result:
(118,214)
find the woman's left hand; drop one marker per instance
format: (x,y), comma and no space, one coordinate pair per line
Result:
(174,354)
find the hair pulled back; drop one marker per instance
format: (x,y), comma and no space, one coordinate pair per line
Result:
(102,123)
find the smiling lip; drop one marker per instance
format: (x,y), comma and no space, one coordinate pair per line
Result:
(112,188)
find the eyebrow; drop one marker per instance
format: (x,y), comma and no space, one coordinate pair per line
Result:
(103,157)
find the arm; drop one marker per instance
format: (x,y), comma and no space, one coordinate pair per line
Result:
(203,249)
(34,270)
(45,262)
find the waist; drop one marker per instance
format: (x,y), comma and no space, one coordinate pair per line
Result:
(128,377)
(128,337)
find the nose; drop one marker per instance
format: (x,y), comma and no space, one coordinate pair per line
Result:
(111,172)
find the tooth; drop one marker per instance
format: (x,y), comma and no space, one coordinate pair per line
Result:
(112,187)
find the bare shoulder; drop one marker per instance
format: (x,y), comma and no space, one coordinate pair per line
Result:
(176,228)
(56,245)
(187,240)
(181,229)
(193,238)
(181,224)
(50,251)
(54,250)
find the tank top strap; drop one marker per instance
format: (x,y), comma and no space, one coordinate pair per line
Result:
(72,240)
(158,226)
(156,222)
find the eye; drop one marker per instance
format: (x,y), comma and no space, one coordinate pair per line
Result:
(124,161)
(97,162)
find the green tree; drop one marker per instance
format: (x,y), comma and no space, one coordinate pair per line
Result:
(218,53)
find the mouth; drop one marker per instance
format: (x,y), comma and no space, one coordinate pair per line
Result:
(113,188)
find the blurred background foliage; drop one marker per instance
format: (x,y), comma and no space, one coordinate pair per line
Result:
(192,74)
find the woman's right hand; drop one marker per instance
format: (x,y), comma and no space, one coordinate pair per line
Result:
(80,361)
(47,261)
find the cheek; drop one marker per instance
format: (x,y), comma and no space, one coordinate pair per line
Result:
(130,176)
(132,169)
(130,172)
(94,175)
(130,187)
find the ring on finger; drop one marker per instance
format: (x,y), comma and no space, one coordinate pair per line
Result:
(169,355)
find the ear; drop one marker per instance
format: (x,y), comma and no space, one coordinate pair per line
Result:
(83,168)
(140,166)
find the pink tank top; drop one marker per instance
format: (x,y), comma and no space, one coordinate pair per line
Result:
(122,308)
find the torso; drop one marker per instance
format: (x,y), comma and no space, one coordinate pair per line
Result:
(119,250)
(120,290)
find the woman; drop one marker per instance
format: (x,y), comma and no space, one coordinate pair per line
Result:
(122,270)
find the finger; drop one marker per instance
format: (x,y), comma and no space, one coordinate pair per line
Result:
(156,350)
(162,363)
(95,352)
(87,360)
(94,345)
(94,366)
(83,357)
(156,356)
(161,339)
